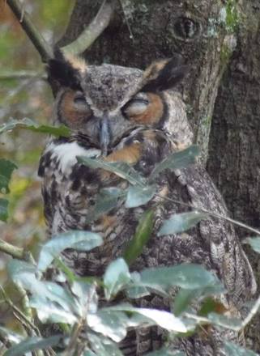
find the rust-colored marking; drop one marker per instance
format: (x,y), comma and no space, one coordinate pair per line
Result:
(130,154)
(153,113)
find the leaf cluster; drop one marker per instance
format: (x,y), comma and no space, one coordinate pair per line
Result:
(72,303)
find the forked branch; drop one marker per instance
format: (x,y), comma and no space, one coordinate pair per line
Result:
(32,32)
(93,30)
(85,39)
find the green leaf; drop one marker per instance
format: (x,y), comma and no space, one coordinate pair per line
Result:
(3,209)
(89,353)
(235,350)
(185,296)
(78,240)
(182,300)
(225,322)
(141,237)
(17,269)
(31,125)
(181,222)
(50,312)
(116,277)
(6,169)
(86,295)
(254,242)
(187,276)
(177,160)
(107,200)
(137,292)
(121,169)
(69,273)
(23,273)
(209,305)
(162,318)
(112,324)
(103,346)
(33,343)
(137,196)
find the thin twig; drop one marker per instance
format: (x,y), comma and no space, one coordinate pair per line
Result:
(16,252)
(251,313)
(211,213)
(93,30)
(18,313)
(73,339)
(32,32)
(22,74)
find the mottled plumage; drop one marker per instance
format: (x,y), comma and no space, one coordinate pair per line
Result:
(123,114)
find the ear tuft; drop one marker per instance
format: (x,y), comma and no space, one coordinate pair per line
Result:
(164,74)
(65,70)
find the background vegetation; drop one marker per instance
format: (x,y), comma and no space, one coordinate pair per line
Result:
(26,95)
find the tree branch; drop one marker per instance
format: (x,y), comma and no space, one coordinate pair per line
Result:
(22,74)
(38,41)
(93,31)
(16,252)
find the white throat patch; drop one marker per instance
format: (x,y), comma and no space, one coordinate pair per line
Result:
(66,154)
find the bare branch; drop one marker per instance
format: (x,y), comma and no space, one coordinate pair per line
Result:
(22,74)
(38,41)
(93,31)
(16,252)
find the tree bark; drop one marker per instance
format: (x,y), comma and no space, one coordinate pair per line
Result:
(234,155)
(214,37)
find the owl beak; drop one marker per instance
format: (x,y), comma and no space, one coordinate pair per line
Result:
(104,135)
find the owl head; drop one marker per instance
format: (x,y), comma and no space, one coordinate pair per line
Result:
(106,103)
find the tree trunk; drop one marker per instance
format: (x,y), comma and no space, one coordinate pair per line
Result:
(234,154)
(214,37)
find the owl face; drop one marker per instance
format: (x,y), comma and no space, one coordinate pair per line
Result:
(106,103)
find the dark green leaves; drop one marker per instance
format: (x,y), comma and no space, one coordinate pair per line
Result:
(143,233)
(79,240)
(3,209)
(181,222)
(6,170)
(31,125)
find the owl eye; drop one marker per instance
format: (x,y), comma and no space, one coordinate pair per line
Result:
(80,99)
(136,106)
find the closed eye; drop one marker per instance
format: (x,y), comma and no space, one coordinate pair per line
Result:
(135,107)
(80,99)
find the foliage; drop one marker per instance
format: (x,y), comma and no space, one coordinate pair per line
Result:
(72,303)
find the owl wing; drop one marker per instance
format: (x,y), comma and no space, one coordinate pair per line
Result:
(212,243)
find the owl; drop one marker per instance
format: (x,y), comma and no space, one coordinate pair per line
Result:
(121,114)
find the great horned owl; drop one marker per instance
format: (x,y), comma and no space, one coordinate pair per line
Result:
(124,114)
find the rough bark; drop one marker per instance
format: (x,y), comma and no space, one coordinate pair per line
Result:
(205,33)
(234,144)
